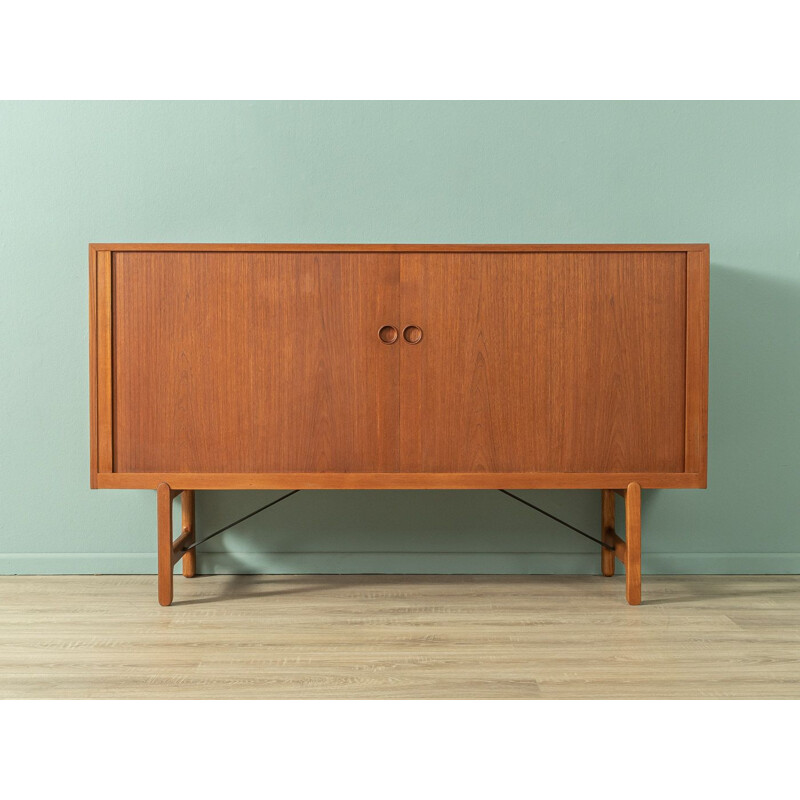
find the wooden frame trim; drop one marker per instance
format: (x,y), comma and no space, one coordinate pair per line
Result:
(696,379)
(92,368)
(399,248)
(104,374)
(398,480)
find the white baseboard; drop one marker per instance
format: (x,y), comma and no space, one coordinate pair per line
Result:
(400,563)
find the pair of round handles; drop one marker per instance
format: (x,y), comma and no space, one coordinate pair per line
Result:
(411,333)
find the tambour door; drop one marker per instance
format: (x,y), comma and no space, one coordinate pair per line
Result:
(543,362)
(254,362)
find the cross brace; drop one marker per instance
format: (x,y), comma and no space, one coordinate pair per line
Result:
(557,519)
(241,519)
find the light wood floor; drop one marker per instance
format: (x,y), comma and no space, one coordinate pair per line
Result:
(368,636)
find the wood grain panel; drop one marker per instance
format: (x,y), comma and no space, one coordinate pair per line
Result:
(544,362)
(255,362)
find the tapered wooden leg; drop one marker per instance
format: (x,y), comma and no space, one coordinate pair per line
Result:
(633,544)
(187,525)
(608,533)
(165,562)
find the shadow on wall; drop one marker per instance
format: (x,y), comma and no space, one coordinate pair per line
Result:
(754,412)
(753,462)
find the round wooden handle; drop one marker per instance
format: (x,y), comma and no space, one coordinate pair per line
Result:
(388,334)
(412,334)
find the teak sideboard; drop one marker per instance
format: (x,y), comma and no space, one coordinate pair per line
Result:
(247,366)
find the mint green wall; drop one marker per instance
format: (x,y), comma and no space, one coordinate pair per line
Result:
(725,173)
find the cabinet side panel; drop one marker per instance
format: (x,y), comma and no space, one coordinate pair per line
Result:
(92,367)
(105,412)
(255,362)
(544,362)
(697,305)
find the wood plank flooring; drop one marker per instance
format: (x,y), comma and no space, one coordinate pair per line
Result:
(391,636)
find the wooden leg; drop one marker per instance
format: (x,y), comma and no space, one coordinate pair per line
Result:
(633,544)
(165,562)
(187,525)
(608,533)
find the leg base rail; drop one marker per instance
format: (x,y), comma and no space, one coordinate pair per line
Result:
(628,551)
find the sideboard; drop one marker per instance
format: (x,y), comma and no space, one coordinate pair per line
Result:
(275,366)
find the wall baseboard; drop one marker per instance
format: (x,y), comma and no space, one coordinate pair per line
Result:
(288,563)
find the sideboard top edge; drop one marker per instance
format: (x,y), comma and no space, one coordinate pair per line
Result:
(394,248)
